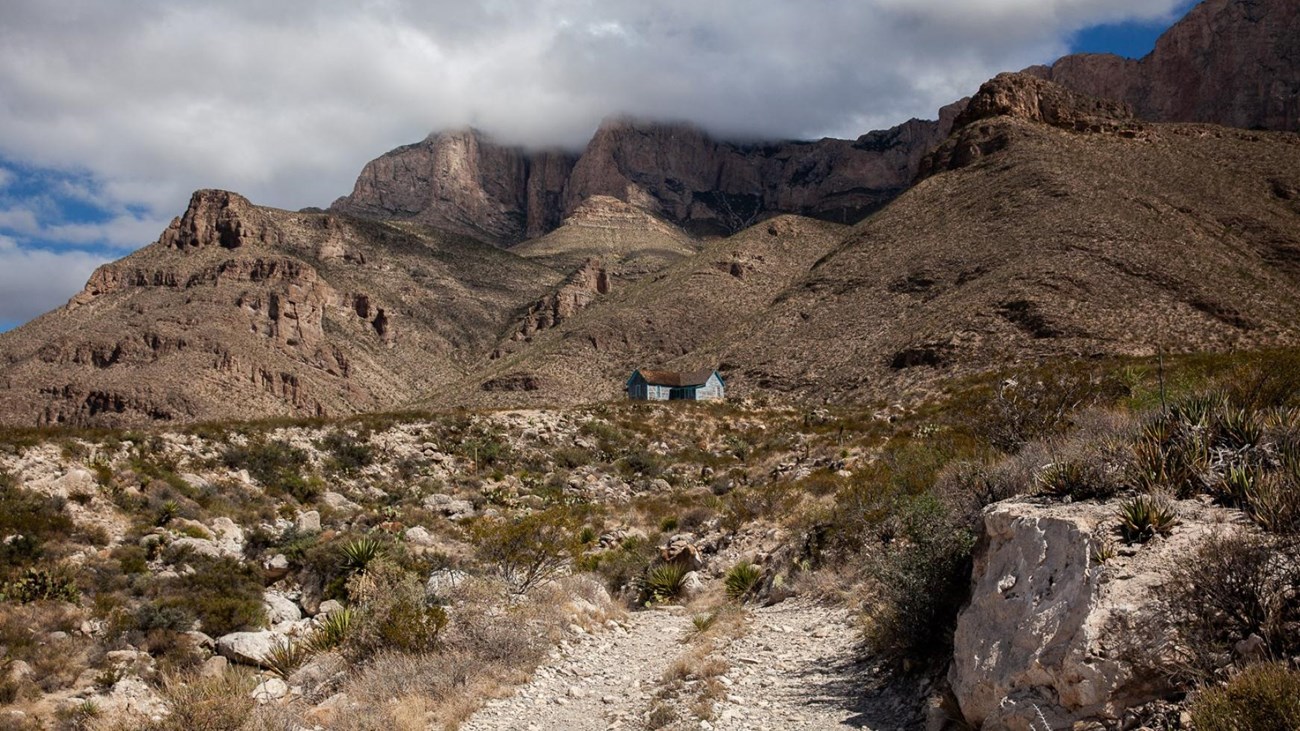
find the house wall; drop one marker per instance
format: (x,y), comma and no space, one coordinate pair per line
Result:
(711,390)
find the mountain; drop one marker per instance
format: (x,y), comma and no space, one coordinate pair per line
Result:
(1030,221)
(1229,62)
(462,181)
(239,311)
(1051,224)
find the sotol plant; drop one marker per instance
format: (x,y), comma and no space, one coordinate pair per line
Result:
(742,580)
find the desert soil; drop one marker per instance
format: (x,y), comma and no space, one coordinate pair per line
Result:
(797,667)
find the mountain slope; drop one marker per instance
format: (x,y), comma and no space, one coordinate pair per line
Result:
(1229,62)
(239,311)
(663,319)
(1053,225)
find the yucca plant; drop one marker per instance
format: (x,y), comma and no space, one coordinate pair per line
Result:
(285,657)
(1235,487)
(1238,429)
(1273,501)
(1146,516)
(167,513)
(331,631)
(742,579)
(665,582)
(359,552)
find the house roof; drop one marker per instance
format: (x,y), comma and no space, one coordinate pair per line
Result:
(677,379)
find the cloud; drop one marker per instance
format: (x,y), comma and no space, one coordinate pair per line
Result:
(285,101)
(33,281)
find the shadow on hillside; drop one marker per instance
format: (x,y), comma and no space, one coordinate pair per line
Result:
(873,698)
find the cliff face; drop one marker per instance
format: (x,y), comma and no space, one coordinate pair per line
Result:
(463,182)
(1229,62)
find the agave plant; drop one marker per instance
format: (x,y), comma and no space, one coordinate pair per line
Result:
(332,630)
(1146,516)
(742,580)
(359,552)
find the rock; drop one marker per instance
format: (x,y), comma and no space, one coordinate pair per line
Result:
(1043,637)
(692,584)
(199,546)
(449,506)
(271,689)
(308,522)
(276,567)
(418,535)
(1253,649)
(280,608)
(1227,62)
(318,671)
(229,536)
(330,606)
(132,696)
(202,640)
(248,648)
(324,713)
(443,583)
(335,501)
(213,667)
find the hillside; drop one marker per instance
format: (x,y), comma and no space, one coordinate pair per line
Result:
(1052,225)
(239,310)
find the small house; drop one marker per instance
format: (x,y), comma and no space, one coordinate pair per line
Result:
(705,385)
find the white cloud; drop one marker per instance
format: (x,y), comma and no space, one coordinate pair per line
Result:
(33,281)
(285,101)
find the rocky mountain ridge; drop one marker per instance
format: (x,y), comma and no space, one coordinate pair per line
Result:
(463,181)
(1229,62)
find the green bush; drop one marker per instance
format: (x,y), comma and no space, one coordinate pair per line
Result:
(28,521)
(529,550)
(395,612)
(359,552)
(223,594)
(349,453)
(1233,587)
(920,580)
(279,466)
(41,585)
(665,582)
(1261,698)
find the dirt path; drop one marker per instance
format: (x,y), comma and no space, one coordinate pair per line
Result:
(796,667)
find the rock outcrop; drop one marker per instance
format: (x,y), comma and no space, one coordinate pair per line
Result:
(1229,62)
(1053,632)
(464,182)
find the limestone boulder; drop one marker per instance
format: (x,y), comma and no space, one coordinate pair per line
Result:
(1053,623)
(248,648)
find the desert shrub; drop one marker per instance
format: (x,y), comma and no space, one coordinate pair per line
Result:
(621,566)
(279,466)
(638,461)
(742,579)
(223,594)
(1234,586)
(1037,405)
(215,703)
(41,584)
(394,612)
(349,453)
(1144,517)
(1261,698)
(919,582)
(664,582)
(28,522)
(530,549)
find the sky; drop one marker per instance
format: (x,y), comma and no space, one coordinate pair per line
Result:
(113,111)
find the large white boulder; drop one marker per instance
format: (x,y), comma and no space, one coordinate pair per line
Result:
(1048,637)
(248,648)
